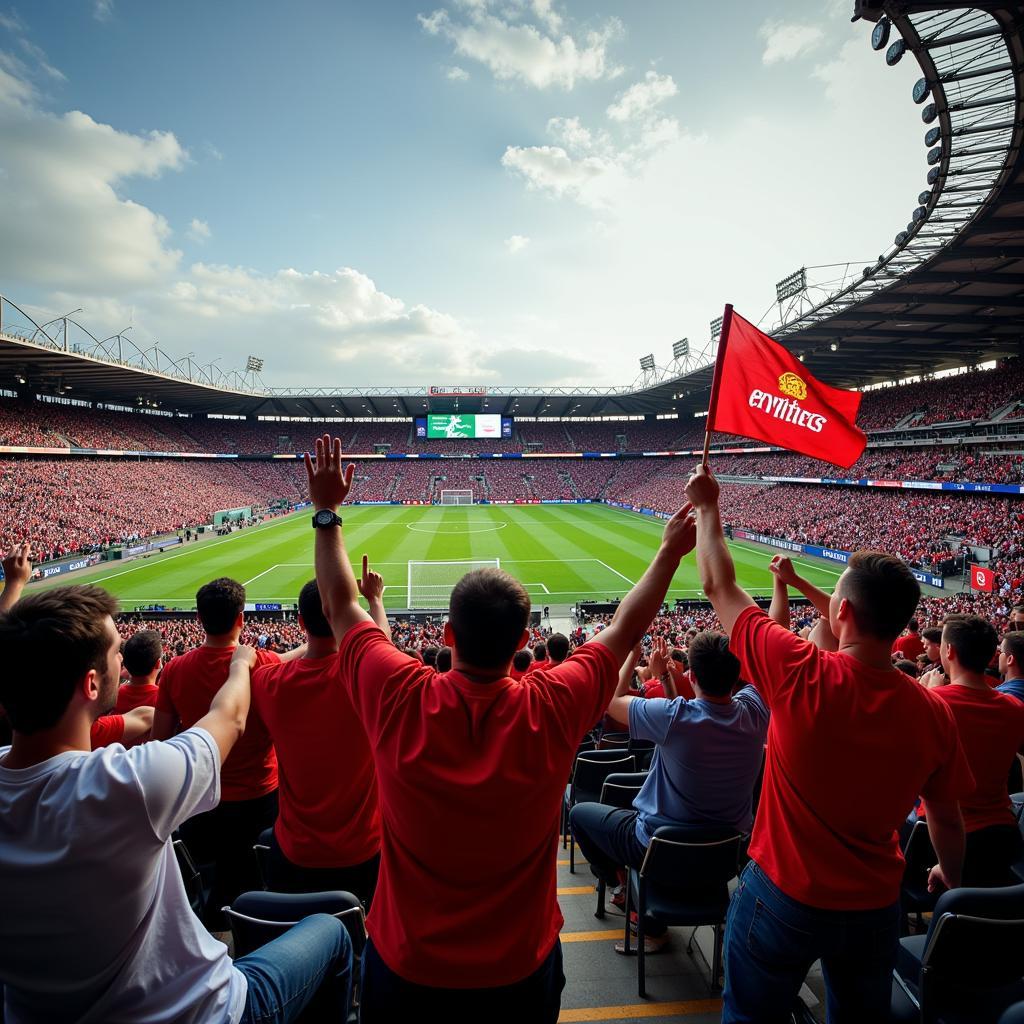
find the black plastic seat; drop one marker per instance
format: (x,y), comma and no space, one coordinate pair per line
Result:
(619,790)
(588,774)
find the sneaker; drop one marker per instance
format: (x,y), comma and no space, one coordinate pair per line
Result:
(652,944)
(617,899)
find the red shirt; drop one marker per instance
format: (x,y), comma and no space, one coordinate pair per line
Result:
(453,758)
(991,727)
(910,646)
(328,815)
(130,697)
(187,686)
(849,750)
(109,729)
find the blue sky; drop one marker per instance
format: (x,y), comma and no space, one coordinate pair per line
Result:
(463,191)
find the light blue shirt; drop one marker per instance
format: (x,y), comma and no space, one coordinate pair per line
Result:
(1014,687)
(706,762)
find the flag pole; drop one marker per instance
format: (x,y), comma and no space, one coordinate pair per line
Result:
(716,380)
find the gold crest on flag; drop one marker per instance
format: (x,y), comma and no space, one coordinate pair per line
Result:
(790,384)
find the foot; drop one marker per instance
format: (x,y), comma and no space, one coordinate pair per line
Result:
(652,944)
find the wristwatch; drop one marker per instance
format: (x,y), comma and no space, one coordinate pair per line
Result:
(325,517)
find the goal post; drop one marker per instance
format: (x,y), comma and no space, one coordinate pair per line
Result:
(430,584)
(457,497)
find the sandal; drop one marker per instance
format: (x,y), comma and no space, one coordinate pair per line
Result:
(652,944)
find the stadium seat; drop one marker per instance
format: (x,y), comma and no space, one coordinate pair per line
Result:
(194,889)
(914,895)
(257,918)
(705,856)
(643,750)
(588,775)
(968,968)
(618,790)
(261,851)
(614,741)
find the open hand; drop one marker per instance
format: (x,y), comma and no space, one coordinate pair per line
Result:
(18,565)
(702,488)
(370,584)
(681,531)
(328,486)
(658,660)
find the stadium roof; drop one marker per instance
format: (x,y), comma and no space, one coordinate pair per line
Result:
(949,291)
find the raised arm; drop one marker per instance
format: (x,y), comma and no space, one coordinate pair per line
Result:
(779,608)
(618,707)
(138,723)
(371,586)
(17,572)
(781,568)
(328,488)
(717,571)
(225,721)
(642,603)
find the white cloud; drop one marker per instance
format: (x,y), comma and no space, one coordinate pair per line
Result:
(516,243)
(103,10)
(456,74)
(642,97)
(199,230)
(785,41)
(590,180)
(516,50)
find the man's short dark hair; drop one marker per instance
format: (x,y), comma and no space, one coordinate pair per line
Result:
(522,660)
(913,625)
(48,641)
(219,603)
(540,652)
(1018,608)
(907,667)
(444,660)
(973,638)
(143,651)
(882,592)
(430,655)
(488,612)
(714,666)
(933,634)
(311,609)
(678,654)
(558,647)
(1013,645)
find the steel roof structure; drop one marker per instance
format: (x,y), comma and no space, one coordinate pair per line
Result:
(948,291)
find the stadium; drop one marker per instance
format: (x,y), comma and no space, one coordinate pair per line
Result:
(150,475)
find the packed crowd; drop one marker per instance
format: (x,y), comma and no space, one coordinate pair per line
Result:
(232,752)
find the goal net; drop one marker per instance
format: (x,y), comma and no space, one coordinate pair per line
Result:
(431,583)
(457,497)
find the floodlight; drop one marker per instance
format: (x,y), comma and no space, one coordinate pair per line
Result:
(932,136)
(647,363)
(920,213)
(924,198)
(792,285)
(716,328)
(934,155)
(253,364)
(834,346)
(681,349)
(880,34)
(900,238)
(930,113)
(922,90)
(895,53)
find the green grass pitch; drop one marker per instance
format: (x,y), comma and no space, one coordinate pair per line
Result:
(561,553)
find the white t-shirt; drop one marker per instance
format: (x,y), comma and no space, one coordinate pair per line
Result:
(95,925)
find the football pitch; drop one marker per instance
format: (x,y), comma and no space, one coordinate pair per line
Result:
(561,554)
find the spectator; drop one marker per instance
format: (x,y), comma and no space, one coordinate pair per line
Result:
(521,663)
(129,729)
(991,727)
(557,647)
(933,674)
(101,929)
(327,834)
(1011,665)
(509,746)
(224,835)
(720,728)
(444,660)
(910,645)
(841,770)
(1017,617)
(540,657)
(430,656)
(142,656)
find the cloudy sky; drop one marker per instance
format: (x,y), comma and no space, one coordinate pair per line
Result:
(446,192)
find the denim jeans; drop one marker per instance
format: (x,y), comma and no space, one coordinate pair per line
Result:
(771,941)
(386,998)
(607,838)
(310,964)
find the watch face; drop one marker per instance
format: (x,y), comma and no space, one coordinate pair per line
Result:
(324,517)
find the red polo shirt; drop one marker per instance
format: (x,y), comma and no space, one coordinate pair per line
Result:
(457,758)
(109,729)
(849,750)
(991,727)
(188,684)
(328,815)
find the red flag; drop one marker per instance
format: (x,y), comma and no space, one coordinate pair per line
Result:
(982,579)
(761,390)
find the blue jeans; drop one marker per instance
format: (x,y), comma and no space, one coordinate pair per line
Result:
(771,941)
(311,961)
